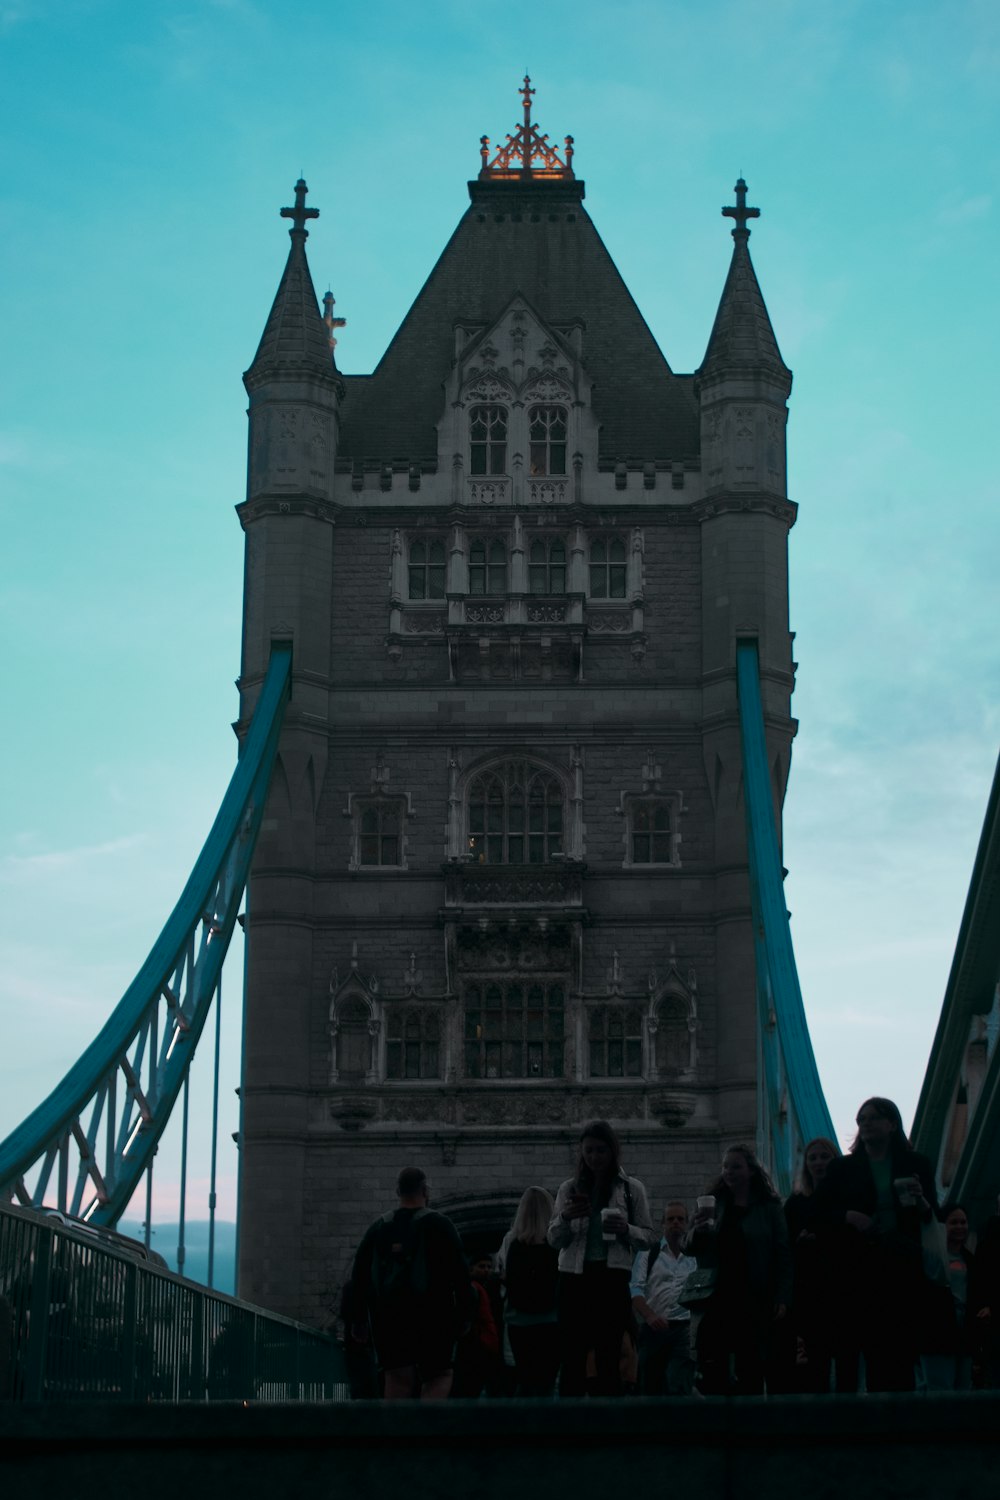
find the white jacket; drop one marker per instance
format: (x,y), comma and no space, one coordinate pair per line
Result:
(569,1236)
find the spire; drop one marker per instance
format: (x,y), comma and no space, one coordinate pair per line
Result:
(742,339)
(524,149)
(295,339)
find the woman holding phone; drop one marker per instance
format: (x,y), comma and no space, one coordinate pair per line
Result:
(600,1219)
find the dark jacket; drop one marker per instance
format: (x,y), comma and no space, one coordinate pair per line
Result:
(768,1257)
(849,1186)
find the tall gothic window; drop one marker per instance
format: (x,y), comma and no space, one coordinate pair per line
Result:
(650,833)
(354,1040)
(488,440)
(607,568)
(427,570)
(547,566)
(673,1037)
(514,1030)
(515,815)
(488,567)
(616,1041)
(413,1036)
(547,438)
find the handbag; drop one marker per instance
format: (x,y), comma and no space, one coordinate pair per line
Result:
(698,1288)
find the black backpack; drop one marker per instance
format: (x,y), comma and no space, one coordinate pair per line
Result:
(399,1261)
(530,1275)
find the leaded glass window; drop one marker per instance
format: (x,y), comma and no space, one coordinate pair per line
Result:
(514,1030)
(547,439)
(488,440)
(413,1041)
(616,1041)
(607,568)
(515,815)
(379,833)
(547,566)
(651,844)
(488,567)
(426,572)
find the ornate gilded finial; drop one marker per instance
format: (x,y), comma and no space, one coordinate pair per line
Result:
(741,213)
(329,302)
(527,155)
(299,214)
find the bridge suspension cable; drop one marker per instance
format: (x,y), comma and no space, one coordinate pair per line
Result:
(95,1135)
(791,1107)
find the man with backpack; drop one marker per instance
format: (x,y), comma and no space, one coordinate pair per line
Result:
(411,1276)
(666,1362)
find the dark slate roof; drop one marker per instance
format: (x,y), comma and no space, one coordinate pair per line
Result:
(295,338)
(536,240)
(742,339)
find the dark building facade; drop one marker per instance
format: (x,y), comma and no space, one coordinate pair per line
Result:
(501,885)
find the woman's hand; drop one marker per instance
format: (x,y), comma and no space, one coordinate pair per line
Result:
(858,1220)
(615,1223)
(577,1206)
(703,1216)
(780,1311)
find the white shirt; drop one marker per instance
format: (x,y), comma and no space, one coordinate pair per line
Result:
(662,1287)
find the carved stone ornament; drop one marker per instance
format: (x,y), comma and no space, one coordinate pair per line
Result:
(518,1109)
(484,614)
(672,1109)
(489,491)
(609,621)
(352,1112)
(422,1108)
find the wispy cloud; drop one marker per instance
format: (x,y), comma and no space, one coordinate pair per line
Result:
(68,859)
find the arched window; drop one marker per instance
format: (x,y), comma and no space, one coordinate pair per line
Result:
(378,833)
(354,1040)
(412,1046)
(547,566)
(651,833)
(514,1030)
(547,438)
(673,1037)
(515,815)
(607,568)
(488,567)
(616,1041)
(488,440)
(427,570)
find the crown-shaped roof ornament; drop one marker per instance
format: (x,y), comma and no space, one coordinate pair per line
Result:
(527,156)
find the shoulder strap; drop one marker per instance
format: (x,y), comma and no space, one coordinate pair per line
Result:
(651,1261)
(628,1201)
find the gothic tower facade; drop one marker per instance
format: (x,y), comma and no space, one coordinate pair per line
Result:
(501,885)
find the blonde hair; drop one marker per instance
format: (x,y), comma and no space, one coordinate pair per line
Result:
(531,1222)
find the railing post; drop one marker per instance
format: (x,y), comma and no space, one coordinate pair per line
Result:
(196,1381)
(129,1343)
(38,1315)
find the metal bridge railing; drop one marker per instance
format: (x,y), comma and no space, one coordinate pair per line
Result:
(79,1322)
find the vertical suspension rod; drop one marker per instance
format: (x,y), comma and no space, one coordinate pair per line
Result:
(184,1169)
(215,1134)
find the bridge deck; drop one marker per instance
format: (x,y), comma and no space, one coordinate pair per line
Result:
(888,1447)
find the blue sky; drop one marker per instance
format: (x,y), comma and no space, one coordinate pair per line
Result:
(147,150)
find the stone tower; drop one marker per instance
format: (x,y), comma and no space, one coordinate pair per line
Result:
(501,885)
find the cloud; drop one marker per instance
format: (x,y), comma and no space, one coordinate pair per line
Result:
(67,859)
(958,210)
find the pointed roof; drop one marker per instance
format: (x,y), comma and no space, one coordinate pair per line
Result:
(742,340)
(295,340)
(525,233)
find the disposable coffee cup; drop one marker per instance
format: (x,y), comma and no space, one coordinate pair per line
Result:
(904,1191)
(606,1213)
(706,1201)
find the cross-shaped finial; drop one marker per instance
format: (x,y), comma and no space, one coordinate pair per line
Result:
(329,302)
(526,93)
(299,214)
(741,213)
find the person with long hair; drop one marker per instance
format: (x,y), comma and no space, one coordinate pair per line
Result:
(529,1266)
(874,1201)
(600,1219)
(814,1310)
(745,1240)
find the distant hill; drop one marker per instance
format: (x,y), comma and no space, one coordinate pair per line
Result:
(164,1240)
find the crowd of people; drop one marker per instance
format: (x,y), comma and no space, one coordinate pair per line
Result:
(858,1282)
